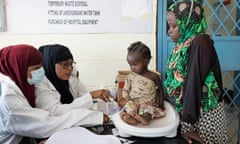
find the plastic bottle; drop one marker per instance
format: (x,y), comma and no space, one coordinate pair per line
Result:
(114,90)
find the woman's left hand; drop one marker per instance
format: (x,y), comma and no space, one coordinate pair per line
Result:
(103,94)
(192,136)
(42,142)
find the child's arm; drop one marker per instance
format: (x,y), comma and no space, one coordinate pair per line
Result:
(122,102)
(125,92)
(159,98)
(159,93)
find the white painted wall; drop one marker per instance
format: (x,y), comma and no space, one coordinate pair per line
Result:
(98,56)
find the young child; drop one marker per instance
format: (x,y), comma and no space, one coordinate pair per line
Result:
(142,95)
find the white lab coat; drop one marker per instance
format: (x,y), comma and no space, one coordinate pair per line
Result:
(19,119)
(48,98)
(80,135)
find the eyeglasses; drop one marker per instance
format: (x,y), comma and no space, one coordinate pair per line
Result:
(66,64)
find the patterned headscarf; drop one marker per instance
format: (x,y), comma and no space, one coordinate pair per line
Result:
(14,62)
(52,54)
(191,22)
(190,18)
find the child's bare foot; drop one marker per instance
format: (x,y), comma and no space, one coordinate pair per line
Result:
(128,119)
(141,119)
(159,113)
(122,114)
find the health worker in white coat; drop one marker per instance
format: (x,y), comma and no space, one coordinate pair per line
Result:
(20,122)
(62,91)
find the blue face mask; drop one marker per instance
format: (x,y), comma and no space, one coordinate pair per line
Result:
(37,76)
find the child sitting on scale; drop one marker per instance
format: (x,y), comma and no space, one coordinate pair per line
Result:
(142,95)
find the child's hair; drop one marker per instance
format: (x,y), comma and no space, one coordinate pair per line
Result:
(140,48)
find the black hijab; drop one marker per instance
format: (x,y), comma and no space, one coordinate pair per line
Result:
(53,54)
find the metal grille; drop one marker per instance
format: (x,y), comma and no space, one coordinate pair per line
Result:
(222,17)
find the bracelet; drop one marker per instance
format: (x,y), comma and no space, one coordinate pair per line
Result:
(186,127)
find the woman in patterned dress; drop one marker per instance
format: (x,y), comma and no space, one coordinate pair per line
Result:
(194,75)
